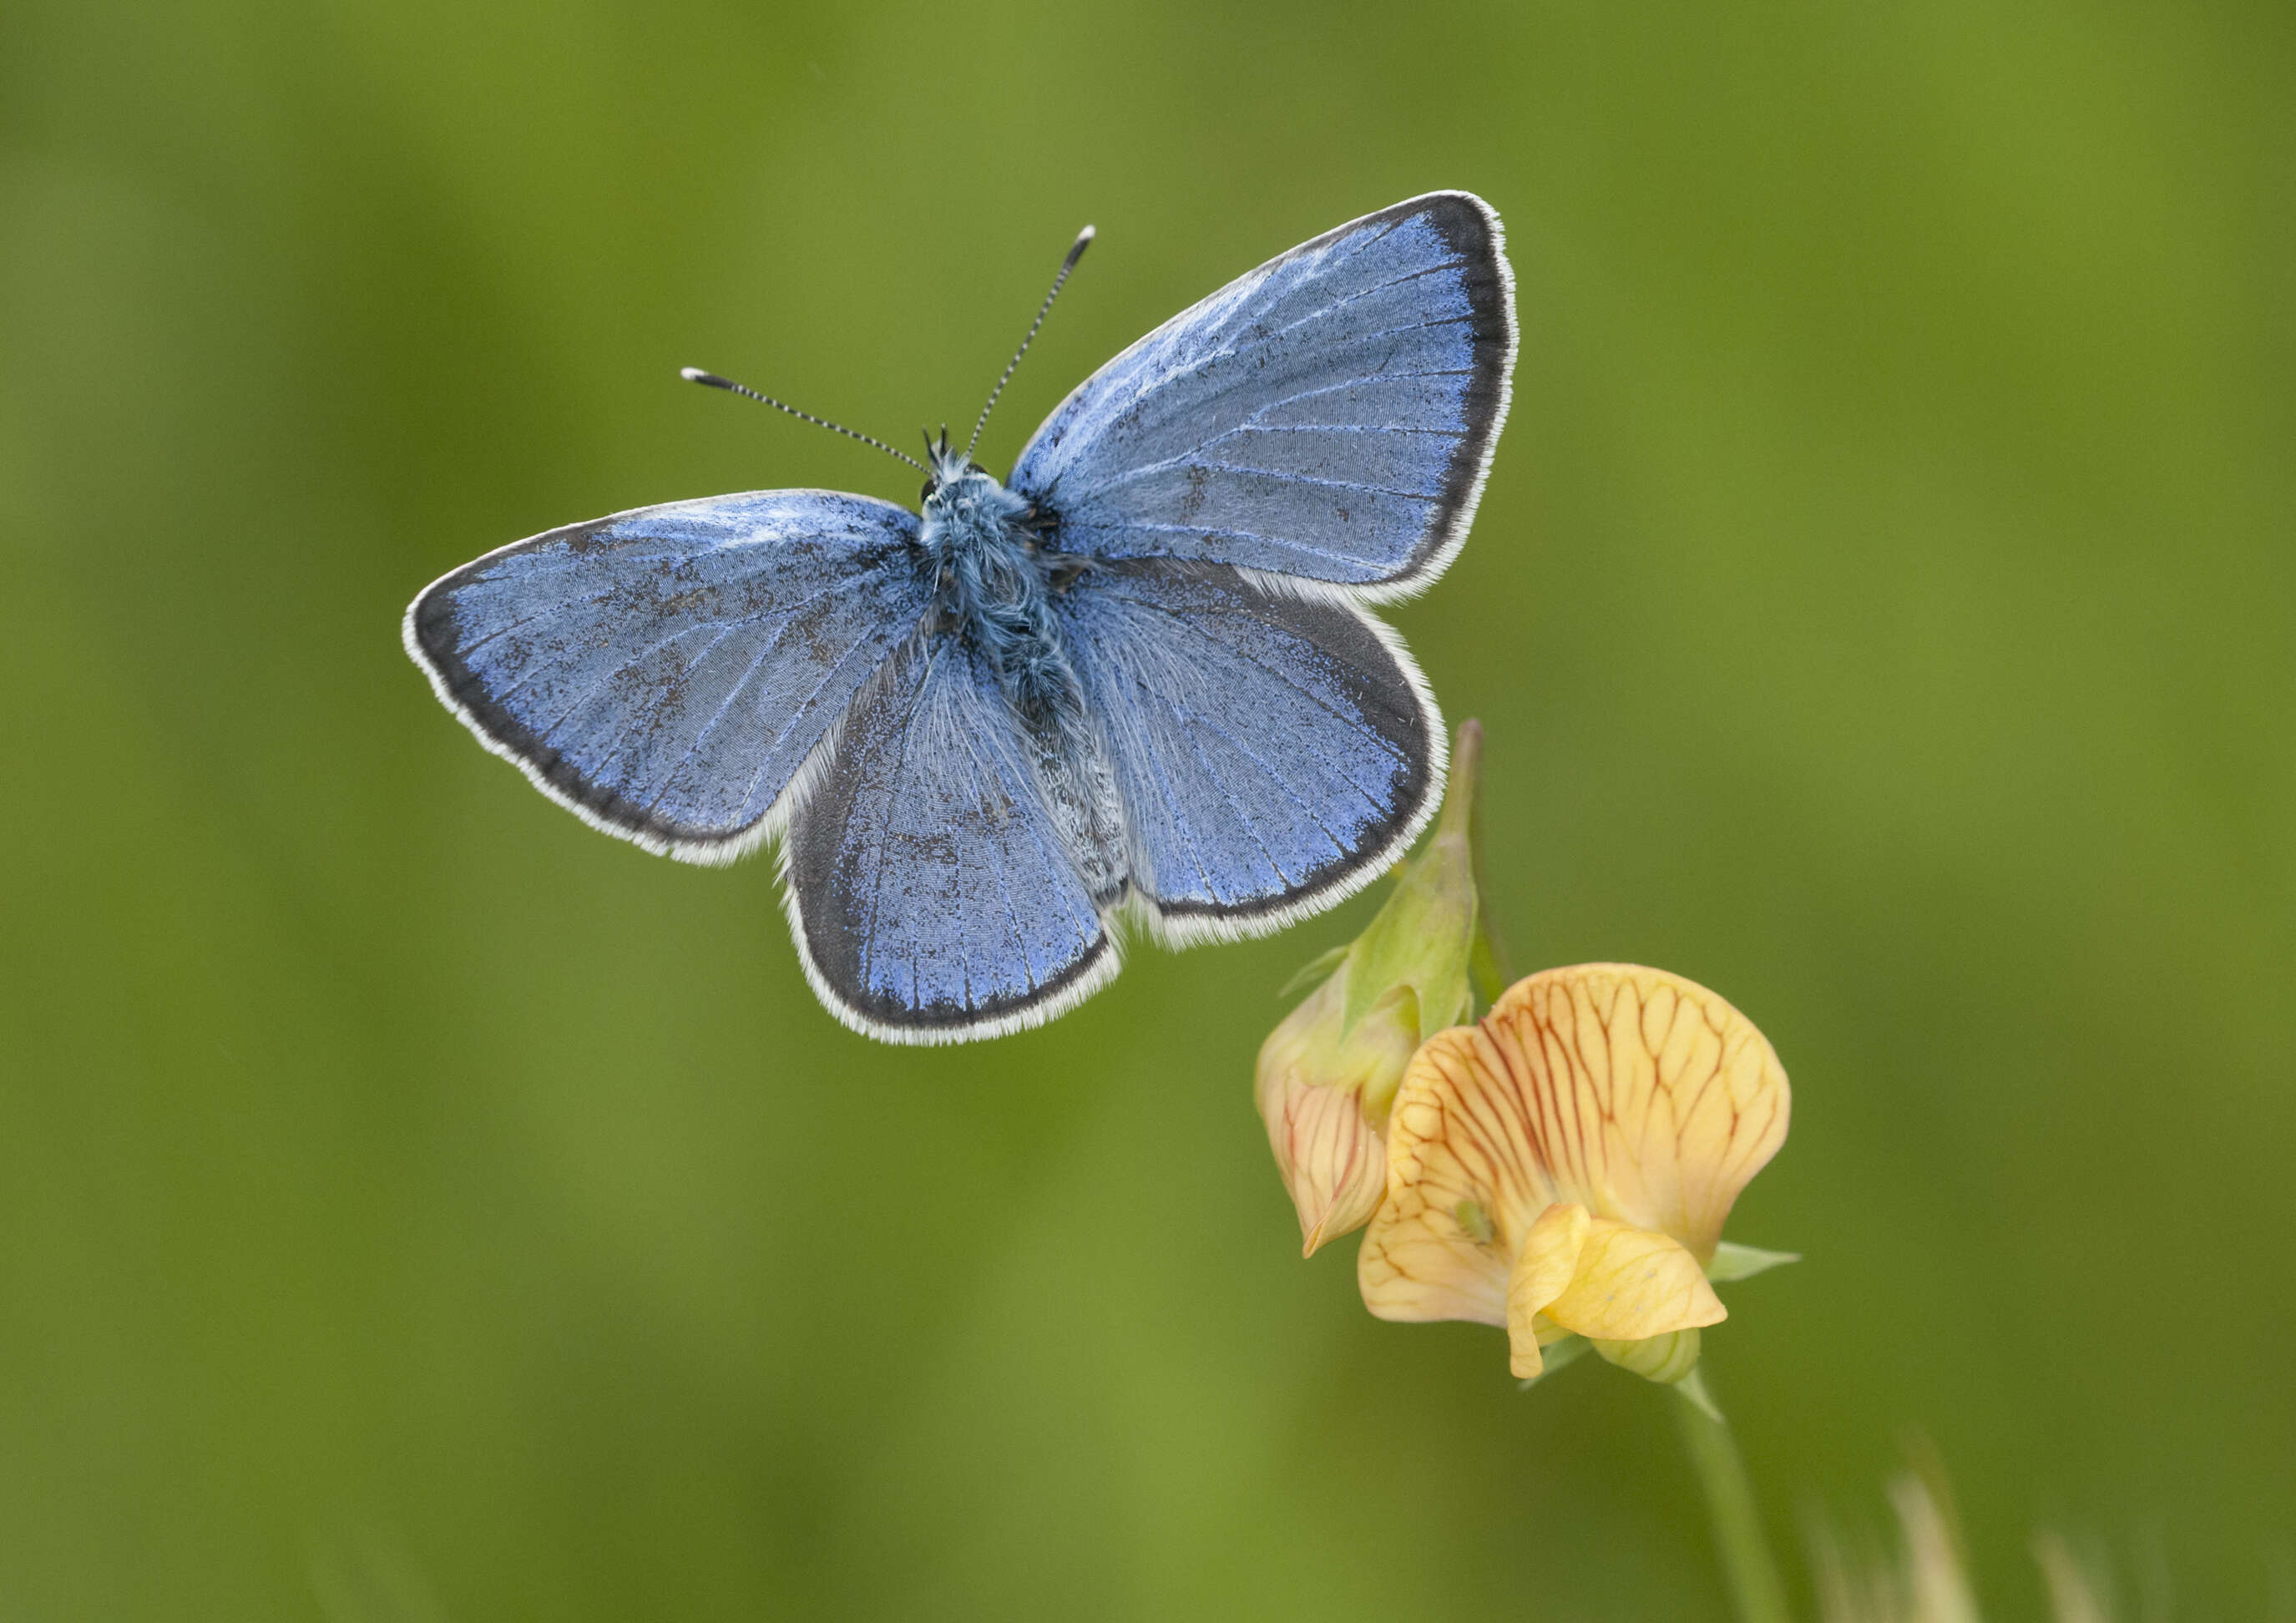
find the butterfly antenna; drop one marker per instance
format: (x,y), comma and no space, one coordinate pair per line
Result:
(694,374)
(1076,252)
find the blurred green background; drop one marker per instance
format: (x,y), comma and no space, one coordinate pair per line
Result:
(415,1206)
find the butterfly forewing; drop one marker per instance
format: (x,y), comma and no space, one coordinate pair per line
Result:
(1271,750)
(667,671)
(1329,415)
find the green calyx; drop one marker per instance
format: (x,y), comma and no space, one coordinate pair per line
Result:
(1431,937)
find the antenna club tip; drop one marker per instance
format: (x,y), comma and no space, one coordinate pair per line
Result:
(1087,234)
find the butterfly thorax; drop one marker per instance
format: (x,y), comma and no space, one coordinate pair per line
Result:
(993,587)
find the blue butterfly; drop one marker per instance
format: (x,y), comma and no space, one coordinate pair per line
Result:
(1135,678)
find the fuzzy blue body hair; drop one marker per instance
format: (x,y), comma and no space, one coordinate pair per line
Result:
(995,577)
(991,582)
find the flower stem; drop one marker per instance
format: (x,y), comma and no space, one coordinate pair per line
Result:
(1757,1595)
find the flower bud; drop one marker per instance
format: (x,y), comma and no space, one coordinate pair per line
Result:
(1319,1079)
(1327,1075)
(1664,1358)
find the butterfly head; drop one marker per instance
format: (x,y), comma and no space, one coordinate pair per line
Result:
(964,498)
(946,465)
(960,493)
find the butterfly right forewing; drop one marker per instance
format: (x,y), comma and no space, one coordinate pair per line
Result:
(1330,415)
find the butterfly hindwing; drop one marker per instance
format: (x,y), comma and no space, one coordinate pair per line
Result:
(1273,751)
(666,672)
(934,896)
(1329,416)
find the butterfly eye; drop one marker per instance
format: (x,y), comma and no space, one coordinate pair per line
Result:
(925,494)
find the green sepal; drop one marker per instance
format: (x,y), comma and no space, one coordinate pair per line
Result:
(1424,938)
(1744,1261)
(1317,971)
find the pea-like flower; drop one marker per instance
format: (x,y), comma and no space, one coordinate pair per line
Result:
(1563,1168)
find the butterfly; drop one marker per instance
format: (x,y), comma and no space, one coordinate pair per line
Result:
(1134,680)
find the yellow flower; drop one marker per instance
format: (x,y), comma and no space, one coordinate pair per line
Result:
(1563,1168)
(1328,1073)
